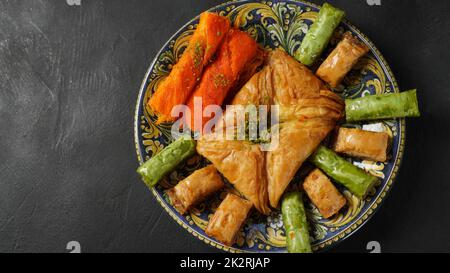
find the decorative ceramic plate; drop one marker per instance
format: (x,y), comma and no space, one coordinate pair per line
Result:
(273,24)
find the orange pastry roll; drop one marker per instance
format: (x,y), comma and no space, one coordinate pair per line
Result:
(341,60)
(234,55)
(183,78)
(323,193)
(228,219)
(195,188)
(362,144)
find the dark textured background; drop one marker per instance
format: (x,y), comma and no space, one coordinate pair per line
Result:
(69,78)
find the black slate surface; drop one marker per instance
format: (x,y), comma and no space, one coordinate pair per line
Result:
(69,78)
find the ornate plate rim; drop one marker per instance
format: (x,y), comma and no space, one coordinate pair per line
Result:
(357,222)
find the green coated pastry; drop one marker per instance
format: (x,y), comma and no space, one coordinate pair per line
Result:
(153,170)
(353,178)
(295,224)
(319,34)
(386,106)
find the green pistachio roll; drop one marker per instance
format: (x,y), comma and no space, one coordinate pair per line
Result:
(319,34)
(353,178)
(295,223)
(153,170)
(386,106)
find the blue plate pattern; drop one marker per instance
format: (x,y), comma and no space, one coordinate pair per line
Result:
(274,24)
